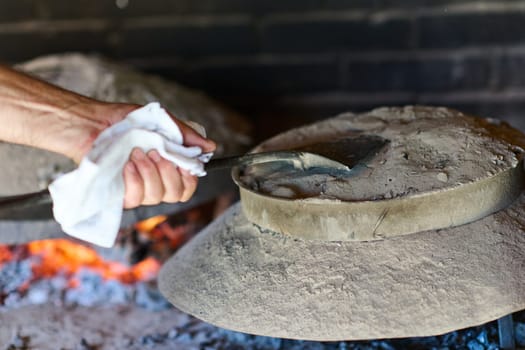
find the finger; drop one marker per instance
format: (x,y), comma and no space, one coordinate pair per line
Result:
(190,185)
(193,138)
(153,187)
(134,188)
(170,176)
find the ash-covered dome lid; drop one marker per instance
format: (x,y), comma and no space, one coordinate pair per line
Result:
(243,276)
(441,168)
(430,149)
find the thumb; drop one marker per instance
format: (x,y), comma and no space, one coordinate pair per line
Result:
(193,138)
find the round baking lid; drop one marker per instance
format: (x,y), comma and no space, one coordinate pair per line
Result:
(242,276)
(238,276)
(331,220)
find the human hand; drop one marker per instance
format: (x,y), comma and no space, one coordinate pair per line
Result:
(150,179)
(46,116)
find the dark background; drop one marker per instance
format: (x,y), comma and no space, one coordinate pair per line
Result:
(284,62)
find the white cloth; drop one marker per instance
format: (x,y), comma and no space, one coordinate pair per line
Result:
(88,201)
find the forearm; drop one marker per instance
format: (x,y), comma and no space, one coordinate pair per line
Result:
(38,114)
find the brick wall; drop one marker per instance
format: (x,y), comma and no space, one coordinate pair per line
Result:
(294,60)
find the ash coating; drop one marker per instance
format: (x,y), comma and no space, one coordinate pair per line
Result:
(236,276)
(430,149)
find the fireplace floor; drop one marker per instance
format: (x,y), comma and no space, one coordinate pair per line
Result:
(52,327)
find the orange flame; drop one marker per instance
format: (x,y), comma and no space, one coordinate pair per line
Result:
(145,270)
(149,224)
(64,256)
(5,254)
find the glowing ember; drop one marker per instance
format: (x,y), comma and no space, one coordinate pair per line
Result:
(151,241)
(64,256)
(145,270)
(5,254)
(149,224)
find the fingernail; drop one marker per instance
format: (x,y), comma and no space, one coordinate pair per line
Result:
(131,168)
(137,154)
(155,156)
(212,146)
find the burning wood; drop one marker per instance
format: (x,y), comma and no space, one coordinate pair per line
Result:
(85,274)
(149,224)
(5,254)
(67,257)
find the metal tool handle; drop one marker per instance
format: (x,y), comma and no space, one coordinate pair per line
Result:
(13,207)
(26,200)
(253,158)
